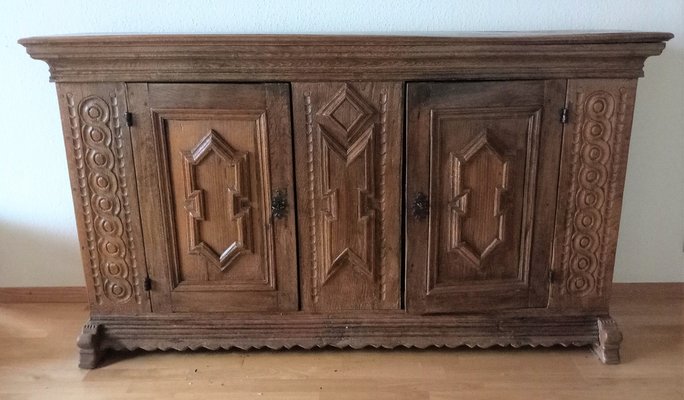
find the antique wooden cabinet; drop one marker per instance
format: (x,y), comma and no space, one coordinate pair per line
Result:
(347,191)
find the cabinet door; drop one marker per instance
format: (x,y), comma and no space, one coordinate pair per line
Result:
(482,172)
(347,146)
(210,158)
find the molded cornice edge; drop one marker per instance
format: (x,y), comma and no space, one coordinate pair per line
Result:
(187,58)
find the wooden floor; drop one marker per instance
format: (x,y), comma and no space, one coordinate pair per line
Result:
(38,361)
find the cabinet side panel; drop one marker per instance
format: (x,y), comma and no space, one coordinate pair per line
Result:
(102,173)
(348,160)
(593,166)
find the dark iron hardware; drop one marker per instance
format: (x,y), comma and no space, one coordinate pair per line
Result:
(421,206)
(279,204)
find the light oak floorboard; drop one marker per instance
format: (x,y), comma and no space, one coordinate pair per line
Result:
(38,360)
(51,294)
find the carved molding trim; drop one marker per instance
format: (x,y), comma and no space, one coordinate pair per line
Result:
(98,153)
(315,292)
(334,58)
(597,154)
(344,332)
(329,342)
(382,193)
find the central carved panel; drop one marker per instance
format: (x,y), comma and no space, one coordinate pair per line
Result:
(479,177)
(214,157)
(350,259)
(347,194)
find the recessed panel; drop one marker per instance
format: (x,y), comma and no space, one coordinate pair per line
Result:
(481,159)
(218,186)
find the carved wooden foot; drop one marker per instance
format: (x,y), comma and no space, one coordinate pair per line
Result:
(89,346)
(608,347)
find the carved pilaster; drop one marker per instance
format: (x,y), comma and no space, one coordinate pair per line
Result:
(592,182)
(105,196)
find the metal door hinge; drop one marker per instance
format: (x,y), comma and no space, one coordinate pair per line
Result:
(147,284)
(564,118)
(129,118)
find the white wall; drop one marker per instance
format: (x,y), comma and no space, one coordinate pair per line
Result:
(38,243)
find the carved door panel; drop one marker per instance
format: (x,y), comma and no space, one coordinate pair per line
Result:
(482,172)
(347,146)
(218,154)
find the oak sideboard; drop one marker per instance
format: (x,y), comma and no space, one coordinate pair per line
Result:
(279,191)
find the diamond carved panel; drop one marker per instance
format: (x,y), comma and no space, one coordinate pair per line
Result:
(480,175)
(234,163)
(346,116)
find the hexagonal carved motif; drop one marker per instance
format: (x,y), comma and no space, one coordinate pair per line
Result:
(234,163)
(475,236)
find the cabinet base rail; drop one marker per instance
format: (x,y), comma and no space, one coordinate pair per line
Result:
(171,332)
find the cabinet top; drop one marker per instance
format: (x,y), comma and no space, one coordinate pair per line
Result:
(450,56)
